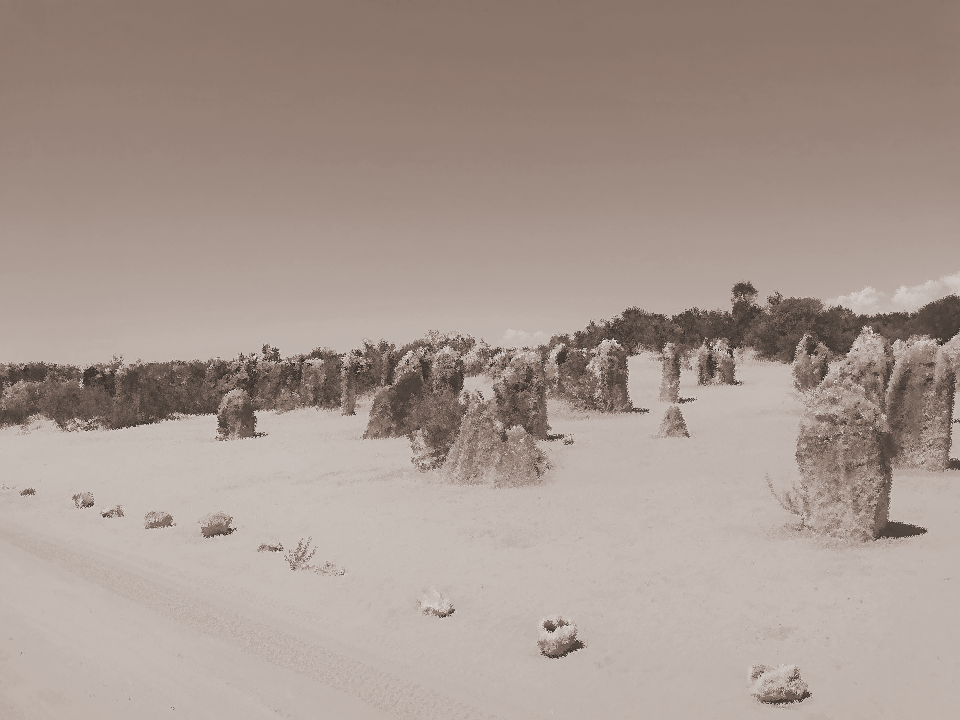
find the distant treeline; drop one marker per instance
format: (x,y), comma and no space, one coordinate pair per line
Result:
(117,394)
(773,330)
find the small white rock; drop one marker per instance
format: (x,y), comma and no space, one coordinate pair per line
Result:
(433,602)
(777,684)
(558,636)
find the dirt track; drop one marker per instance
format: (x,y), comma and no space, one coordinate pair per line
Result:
(168,650)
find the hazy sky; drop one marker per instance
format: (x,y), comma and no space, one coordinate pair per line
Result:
(191,179)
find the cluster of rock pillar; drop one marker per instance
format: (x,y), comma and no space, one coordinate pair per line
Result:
(872,412)
(715,364)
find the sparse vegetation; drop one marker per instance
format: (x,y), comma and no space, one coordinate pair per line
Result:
(793,500)
(299,559)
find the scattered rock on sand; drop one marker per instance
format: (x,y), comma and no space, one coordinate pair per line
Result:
(433,602)
(558,636)
(113,511)
(83,500)
(217,523)
(673,424)
(270,547)
(28,491)
(777,684)
(157,519)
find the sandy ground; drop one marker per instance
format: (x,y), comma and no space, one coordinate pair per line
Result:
(670,555)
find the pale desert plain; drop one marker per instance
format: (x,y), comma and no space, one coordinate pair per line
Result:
(671,556)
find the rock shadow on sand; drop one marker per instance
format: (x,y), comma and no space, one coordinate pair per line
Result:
(895,530)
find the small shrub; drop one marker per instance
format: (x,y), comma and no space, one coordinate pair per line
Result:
(299,559)
(83,500)
(794,500)
(329,568)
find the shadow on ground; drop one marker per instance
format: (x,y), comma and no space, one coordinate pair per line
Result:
(953,464)
(901,530)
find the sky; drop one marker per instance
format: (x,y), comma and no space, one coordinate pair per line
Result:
(195,179)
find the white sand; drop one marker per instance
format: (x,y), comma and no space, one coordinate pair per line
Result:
(671,556)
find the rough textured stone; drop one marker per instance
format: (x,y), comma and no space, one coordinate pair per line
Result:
(433,602)
(157,519)
(670,382)
(235,418)
(521,461)
(777,684)
(272,546)
(485,452)
(348,384)
(843,453)
(83,500)
(551,369)
(673,424)
(706,365)
(868,364)
(919,405)
(521,394)
(575,381)
(804,377)
(446,370)
(389,416)
(557,636)
(609,366)
(28,491)
(726,366)
(113,511)
(217,523)
(951,350)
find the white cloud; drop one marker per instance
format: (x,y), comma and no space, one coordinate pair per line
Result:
(866,302)
(912,298)
(905,299)
(521,338)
